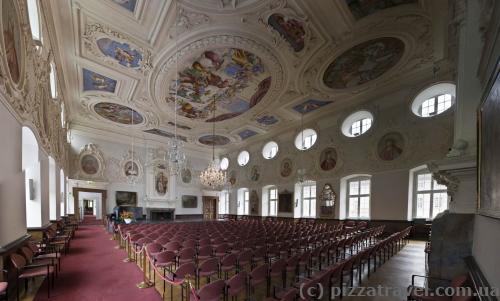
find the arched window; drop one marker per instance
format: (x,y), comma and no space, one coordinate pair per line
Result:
(355,197)
(305,193)
(434,100)
(243,158)
(269,200)
(224,202)
(306,139)
(357,123)
(52,190)
(31,168)
(63,116)
(224,163)
(429,198)
(62,189)
(53,81)
(270,150)
(34,18)
(243,201)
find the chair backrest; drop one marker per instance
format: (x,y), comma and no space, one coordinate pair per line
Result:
(17,261)
(278,266)
(291,295)
(238,281)
(229,260)
(205,250)
(212,291)
(259,272)
(154,248)
(27,253)
(172,246)
(245,256)
(209,265)
(187,253)
(165,257)
(185,269)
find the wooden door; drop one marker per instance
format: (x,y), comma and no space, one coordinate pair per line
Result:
(209,208)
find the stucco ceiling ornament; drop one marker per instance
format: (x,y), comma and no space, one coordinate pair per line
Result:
(131,167)
(444,178)
(122,57)
(186,21)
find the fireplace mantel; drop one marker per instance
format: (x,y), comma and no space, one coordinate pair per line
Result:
(160,214)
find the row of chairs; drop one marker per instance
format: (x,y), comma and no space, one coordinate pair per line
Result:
(186,257)
(41,258)
(332,276)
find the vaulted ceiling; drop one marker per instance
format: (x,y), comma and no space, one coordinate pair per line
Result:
(260,63)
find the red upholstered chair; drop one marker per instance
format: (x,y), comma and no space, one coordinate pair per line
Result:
(306,287)
(165,260)
(173,246)
(3,287)
(189,243)
(205,252)
(257,276)
(237,284)
(24,271)
(186,255)
(206,269)
(244,258)
(227,264)
(287,295)
(210,292)
(31,259)
(41,253)
(278,268)
(182,272)
(221,250)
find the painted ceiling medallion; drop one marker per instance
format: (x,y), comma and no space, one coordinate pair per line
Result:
(310,105)
(362,8)
(121,52)
(237,79)
(267,120)
(93,81)
(214,140)
(290,29)
(118,113)
(363,63)
(245,134)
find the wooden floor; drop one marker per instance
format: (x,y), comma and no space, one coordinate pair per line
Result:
(396,273)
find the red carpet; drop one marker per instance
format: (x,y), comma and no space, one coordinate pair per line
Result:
(90,220)
(93,270)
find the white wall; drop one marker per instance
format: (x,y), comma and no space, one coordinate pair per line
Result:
(12,195)
(31,167)
(113,154)
(426,139)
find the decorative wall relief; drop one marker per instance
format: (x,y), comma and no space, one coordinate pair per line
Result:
(161,182)
(310,105)
(127,4)
(390,146)
(267,120)
(328,159)
(186,175)
(254,173)
(232,178)
(286,168)
(12,39)
(363,63)
(327,199)
(90,162)
(131,167)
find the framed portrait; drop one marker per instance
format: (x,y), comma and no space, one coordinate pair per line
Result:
(285,202)
(489,148)
(12,39)
(286,168)
(328,159)
(189,201)
(390,146)
(161,182)
(126,198)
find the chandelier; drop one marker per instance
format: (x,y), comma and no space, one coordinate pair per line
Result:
(213,176)
(176,155)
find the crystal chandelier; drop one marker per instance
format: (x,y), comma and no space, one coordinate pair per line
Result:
(176,155)
(213,176)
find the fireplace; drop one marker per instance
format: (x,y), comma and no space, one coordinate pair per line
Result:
(161,214)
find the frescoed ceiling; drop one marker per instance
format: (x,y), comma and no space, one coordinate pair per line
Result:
(250,67)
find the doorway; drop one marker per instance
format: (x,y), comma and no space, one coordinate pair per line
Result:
(90,202)
(210,207)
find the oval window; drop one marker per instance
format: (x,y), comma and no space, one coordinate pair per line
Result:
(306,139)
(243,158)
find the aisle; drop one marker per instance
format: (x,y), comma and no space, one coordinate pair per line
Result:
(395,275)
(93,270)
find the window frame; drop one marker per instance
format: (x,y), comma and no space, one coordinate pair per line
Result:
(272,200)
(363,127)
(53,81)
(435,105)
(267,150)
(239,158)
(301,138)
(224,159)
(432,192)
(37,40)
(310,199)
(358,196)
(224,199)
